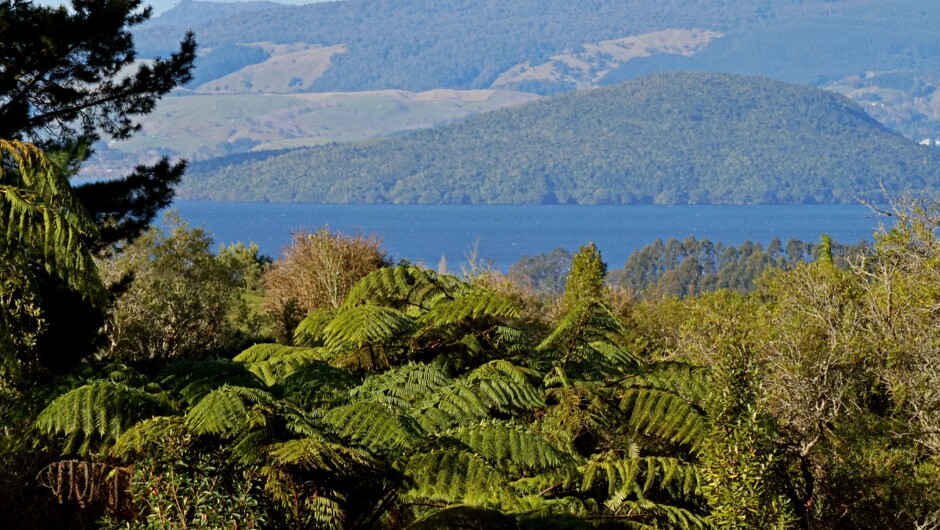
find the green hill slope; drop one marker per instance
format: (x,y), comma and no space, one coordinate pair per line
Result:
(665,139)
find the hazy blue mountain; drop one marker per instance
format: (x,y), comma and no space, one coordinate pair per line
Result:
(665,139)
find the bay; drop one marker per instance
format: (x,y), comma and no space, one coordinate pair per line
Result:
(502,234)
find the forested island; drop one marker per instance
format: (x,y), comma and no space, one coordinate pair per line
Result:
(151,380)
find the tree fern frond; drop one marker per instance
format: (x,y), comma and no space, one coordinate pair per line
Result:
(466,518)
(662,515)
(505,386)
(39,211)
(318,386)
(193,379)
(472,305)
(229,409)
(691,383)
(326,513)
(511,446)
(317,454)
(458,477)
(402,386)
(147,435)
(625,476)
(96,414)
(309,332)
(366,325)
(664,415)
(588,321)
(374,425)
(273,362)
(456,404)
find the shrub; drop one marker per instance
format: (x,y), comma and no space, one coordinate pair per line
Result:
(315,272)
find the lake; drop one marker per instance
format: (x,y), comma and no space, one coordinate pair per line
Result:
(504,233)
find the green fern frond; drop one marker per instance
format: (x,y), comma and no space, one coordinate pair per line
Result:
(366,325)
(510,446)
(229,409)
(374,425)
(146,436)
(40,212)
(193,379)
(402,386)
(465,518)
(317,454)
(393,285)
(326,513)
(691,383)
(662,515)
(588,321)
(664,415)
(456,404)
(309,333)
(318,386)
(94,415)
(626,476)
(458,477)
(505,386)
(472,305)
(273,362)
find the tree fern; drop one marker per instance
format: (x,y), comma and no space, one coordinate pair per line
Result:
(273,362)
(689,382)
(147,436)
(228,410)
(318,454)
(93,416)
(457,476)
(402,386)
(193,379)
(366,325)
(509,446)
(588,322)
(375,426)
(505,387)
(40,215)
(472,305)
(639,476)
(318,386)
(309,332)
(664,415)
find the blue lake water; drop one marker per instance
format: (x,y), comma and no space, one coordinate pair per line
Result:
(505,233)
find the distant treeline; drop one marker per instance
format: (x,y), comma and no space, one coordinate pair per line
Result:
(688,267)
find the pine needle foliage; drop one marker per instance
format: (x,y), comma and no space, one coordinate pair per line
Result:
(93,416)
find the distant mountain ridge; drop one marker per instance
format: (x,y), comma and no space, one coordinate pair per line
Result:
(884,54)
(665,139)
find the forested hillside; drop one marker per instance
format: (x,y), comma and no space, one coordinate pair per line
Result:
(665,139)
